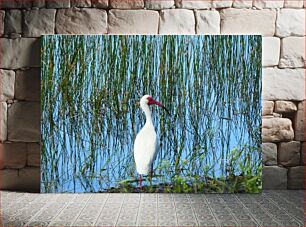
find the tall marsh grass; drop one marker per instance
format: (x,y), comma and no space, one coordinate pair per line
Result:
(91,87)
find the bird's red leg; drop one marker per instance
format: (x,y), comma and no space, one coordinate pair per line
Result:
(140,181)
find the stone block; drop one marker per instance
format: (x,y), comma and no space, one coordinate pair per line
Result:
(33,158)
(13,155)
(39,3)
(13,21)
(81,21)
(221,4)
(55,4)
(242,4)
(3,121)
(19,53)
(262,4)
(285,107)
(133,22)
(177,21)
(289,153)
(277,129)
(2,15)
(191,4)
(159,4)
(292,52)
(80,3)
(126,4)
(15,4)
(274,177)
(7,80)
(39,22)
(277,115)
(303,153)
(24,122)
(296,178)
(99,3)
(269,154)
(293,3)
(290,22)
(27,86)
(208,22)
(270,51)
(299,122)
(248,21)
(267,107)
(283,84)
(26,179)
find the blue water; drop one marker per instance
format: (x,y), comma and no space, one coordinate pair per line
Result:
(206,122)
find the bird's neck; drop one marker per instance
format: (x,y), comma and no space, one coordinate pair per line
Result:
(147,112)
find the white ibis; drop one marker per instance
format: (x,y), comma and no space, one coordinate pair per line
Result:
(145,146)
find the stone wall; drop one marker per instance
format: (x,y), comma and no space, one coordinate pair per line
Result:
(281,22)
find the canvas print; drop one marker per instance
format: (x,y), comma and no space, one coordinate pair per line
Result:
(150,113)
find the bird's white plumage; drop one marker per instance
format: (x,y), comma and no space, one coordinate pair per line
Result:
(145,149)
(145,146)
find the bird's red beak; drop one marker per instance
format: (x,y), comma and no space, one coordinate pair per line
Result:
(151,101)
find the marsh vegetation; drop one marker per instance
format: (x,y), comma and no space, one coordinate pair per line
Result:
(91,86)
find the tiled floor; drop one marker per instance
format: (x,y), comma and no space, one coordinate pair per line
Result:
(271,208)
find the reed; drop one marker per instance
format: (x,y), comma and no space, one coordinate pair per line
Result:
(91,87)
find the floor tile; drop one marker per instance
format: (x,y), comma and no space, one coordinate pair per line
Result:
(271,208)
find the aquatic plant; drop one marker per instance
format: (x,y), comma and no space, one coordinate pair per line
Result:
(91,86)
